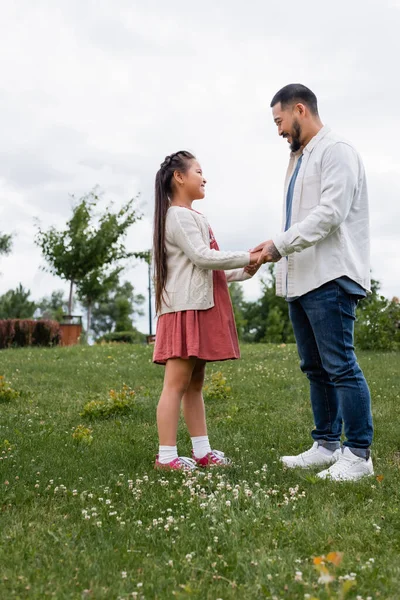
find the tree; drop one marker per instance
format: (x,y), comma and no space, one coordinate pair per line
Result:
(378,321)
(53,307)
(5,243)
(275,326)
(260,326)
(238,305)
(94,287)
(117,310)
(15,304)
(89,244)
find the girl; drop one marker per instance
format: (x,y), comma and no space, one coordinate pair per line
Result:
(196,322)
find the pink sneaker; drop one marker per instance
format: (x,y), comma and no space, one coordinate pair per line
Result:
(214,458)
(182,463)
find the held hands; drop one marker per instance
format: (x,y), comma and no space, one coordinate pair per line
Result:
(263,253)
(253,267)
(267,252)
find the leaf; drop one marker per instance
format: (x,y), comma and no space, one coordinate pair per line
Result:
(380,478)
(335,558)
(347,585)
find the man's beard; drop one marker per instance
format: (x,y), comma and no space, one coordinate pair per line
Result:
(295,135)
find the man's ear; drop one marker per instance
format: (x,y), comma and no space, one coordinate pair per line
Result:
(300,109)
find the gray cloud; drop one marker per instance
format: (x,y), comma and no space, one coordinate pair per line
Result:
(100,93)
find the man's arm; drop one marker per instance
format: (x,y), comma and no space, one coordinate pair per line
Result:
(339,181)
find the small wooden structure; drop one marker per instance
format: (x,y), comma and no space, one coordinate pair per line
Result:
(71,330)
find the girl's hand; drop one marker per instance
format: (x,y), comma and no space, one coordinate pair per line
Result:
(252,269)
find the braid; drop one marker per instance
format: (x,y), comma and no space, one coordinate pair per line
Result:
(179,161)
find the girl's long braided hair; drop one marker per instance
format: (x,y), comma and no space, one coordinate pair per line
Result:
(179,161)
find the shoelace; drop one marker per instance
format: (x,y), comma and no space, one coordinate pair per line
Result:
(188,462)
(340,465)
(221,456)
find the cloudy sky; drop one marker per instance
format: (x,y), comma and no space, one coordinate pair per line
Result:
(97,93)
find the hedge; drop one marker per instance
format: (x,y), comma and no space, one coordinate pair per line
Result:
(28,332)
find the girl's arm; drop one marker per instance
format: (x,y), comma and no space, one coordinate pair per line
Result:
(187,235)
(237,275)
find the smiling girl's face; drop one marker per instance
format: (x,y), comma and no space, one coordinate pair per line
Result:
(192,181)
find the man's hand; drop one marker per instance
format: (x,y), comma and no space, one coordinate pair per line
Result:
(269,252)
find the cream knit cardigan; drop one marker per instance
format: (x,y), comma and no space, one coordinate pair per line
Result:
(190,262)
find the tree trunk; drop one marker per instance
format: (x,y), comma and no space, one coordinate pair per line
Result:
(89,317)
(71,288)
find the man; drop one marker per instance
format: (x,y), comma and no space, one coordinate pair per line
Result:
(323,271)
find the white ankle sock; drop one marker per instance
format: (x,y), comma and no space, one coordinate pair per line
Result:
(167,453)
(201,446)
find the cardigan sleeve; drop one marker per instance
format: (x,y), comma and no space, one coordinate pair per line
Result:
(187,236)
(237,275)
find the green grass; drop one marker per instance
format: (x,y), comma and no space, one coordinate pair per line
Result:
(177,536)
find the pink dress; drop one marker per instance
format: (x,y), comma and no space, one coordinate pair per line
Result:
(209,335)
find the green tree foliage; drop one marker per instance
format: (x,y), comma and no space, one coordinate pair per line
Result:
(267,319)
(52,307)
(378,322)
(89,245)
(5,243)
(239,307)
(116,311)
(94,287)
(15,304)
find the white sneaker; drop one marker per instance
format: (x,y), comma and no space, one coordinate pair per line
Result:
(315,456)
(348,467)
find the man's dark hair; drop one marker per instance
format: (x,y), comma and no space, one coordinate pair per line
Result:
(293,93)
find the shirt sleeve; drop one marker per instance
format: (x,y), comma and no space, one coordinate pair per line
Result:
(188,237)
(339,182)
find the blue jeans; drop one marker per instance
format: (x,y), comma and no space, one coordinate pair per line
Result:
(323,323)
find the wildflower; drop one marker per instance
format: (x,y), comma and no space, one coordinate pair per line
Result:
(325,578)
(228,503)
(124,574)
(298,576)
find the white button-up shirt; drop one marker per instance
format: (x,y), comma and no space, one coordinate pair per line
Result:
(329,233)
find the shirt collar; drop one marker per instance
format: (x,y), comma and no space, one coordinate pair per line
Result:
(316,139)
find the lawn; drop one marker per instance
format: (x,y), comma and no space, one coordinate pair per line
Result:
(89,517)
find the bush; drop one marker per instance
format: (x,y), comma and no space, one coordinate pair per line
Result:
(127,337)
(217,389)
(7,394)
(378,324)
(82,435)
(117,403)
(28,332)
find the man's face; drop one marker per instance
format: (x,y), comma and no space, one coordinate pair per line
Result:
(288,125)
